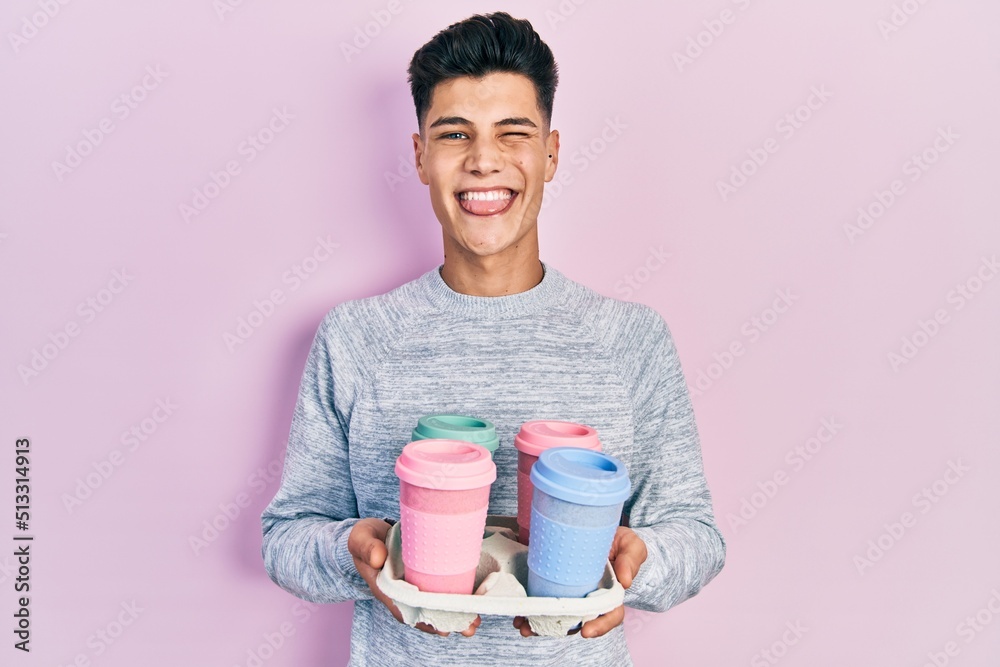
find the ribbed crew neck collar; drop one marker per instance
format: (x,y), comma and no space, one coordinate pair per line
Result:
(553,285)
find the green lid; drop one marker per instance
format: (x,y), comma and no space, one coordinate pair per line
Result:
(458,427)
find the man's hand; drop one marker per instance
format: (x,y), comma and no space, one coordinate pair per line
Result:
(367,546)
(628,553)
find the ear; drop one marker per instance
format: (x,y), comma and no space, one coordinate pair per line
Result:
(418,157)
(551,149)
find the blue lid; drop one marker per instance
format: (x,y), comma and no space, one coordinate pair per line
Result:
(581,476)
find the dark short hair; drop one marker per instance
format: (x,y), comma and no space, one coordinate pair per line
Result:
(480,45)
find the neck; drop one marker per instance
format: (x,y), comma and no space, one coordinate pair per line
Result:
(493,275)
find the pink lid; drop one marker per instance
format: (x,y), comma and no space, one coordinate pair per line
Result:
(541,434)
(448,465)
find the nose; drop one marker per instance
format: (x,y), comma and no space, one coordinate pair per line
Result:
(484,157)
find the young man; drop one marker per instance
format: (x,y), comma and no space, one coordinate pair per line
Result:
(495,333)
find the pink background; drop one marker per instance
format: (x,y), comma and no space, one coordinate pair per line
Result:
(671,131)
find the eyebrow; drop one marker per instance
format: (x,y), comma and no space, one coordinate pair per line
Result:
(458,120)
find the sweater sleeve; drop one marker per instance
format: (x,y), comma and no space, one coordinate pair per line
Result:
(670,507)
(306,525)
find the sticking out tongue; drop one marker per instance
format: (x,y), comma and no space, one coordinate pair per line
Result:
(485,207)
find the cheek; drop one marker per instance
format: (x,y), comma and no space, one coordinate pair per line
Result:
(440,182)
(528,165)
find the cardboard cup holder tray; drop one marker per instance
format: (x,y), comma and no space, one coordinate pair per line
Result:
(500,589)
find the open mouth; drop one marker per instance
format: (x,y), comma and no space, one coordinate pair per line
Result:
(486,202)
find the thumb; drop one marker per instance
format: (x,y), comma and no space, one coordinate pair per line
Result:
(367,542)
(376,553)
(628,553)
(625,569)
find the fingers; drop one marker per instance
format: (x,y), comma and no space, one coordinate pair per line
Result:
(376,554)
(628,553)
(521,623)
(429,629)
(471,630)
(366,542)
(468,632)
(604,623)
(625,569)
(594,628)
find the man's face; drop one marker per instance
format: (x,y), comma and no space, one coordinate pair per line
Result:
(485,155)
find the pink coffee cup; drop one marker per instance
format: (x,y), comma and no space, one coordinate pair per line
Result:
(533,439)
(444,493)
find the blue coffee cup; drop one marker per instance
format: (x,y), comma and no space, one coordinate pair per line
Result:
(575,510)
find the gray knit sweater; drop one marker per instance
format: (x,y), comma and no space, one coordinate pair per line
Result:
(556,351)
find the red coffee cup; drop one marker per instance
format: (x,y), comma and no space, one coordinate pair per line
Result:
(535,437)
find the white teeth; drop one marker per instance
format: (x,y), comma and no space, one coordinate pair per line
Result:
(490,195)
